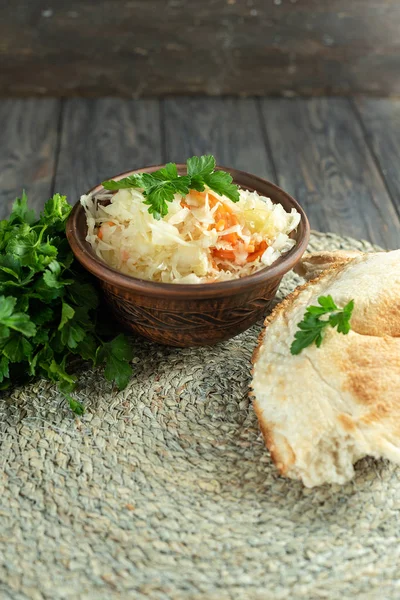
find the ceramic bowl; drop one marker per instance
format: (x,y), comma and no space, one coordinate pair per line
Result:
(190,315)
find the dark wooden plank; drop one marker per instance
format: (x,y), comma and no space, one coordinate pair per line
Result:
(229,128)
(138,47)
(381,120)
(103,137)
(27,150)
(322,159)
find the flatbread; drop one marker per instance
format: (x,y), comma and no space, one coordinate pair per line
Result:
(326,408)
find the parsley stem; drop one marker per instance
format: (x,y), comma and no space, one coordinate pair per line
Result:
(41,235)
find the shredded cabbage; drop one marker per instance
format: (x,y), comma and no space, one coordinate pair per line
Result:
(204,237)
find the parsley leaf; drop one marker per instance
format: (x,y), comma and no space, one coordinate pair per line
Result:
(17,348)
(200,165)
(15,320)
(55,213)
(157,197)
(23,246)
(6,306)
(221,182)
(71,334)
(52,276)
(4,333)
(75,406)
(133,181)
(341,320)
(312,327)
(116,355)
(41,337)
(67,312)
(10,265)
(20,322)
(169,172)
(20,212)
(42,315)
(160,187)
(87,348)
(158,201)
(45,293)
(4,370)
(57,372)
(48,251)
(83,294)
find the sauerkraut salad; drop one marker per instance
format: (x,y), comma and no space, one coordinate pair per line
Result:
(204,238)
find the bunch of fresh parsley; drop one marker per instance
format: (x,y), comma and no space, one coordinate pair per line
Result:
(312,327)
(160,186)
(48,306)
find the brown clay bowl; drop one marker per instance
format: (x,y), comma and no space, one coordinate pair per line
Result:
(190,315)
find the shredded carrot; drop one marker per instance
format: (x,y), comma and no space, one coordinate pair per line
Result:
(212,200)
(258,252)
(214,263)
(231,238)
(197,195)
(224,254)
(224,219)
(100,231)
(201,196)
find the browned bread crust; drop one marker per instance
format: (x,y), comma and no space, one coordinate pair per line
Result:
(322,410)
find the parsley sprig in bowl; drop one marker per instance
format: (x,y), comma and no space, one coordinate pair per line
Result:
(160,186)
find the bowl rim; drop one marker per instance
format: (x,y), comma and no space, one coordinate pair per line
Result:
(85,255)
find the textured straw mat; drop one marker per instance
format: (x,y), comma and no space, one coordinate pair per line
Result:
(166,491)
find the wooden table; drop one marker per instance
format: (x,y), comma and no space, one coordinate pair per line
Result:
(339,157)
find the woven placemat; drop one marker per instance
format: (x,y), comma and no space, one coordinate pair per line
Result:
(166,491)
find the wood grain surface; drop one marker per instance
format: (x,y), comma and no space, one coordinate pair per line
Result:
(158,47)
(337,159)
(29,133)
(229,128)
(322,159)
(381,119)
(103,137)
